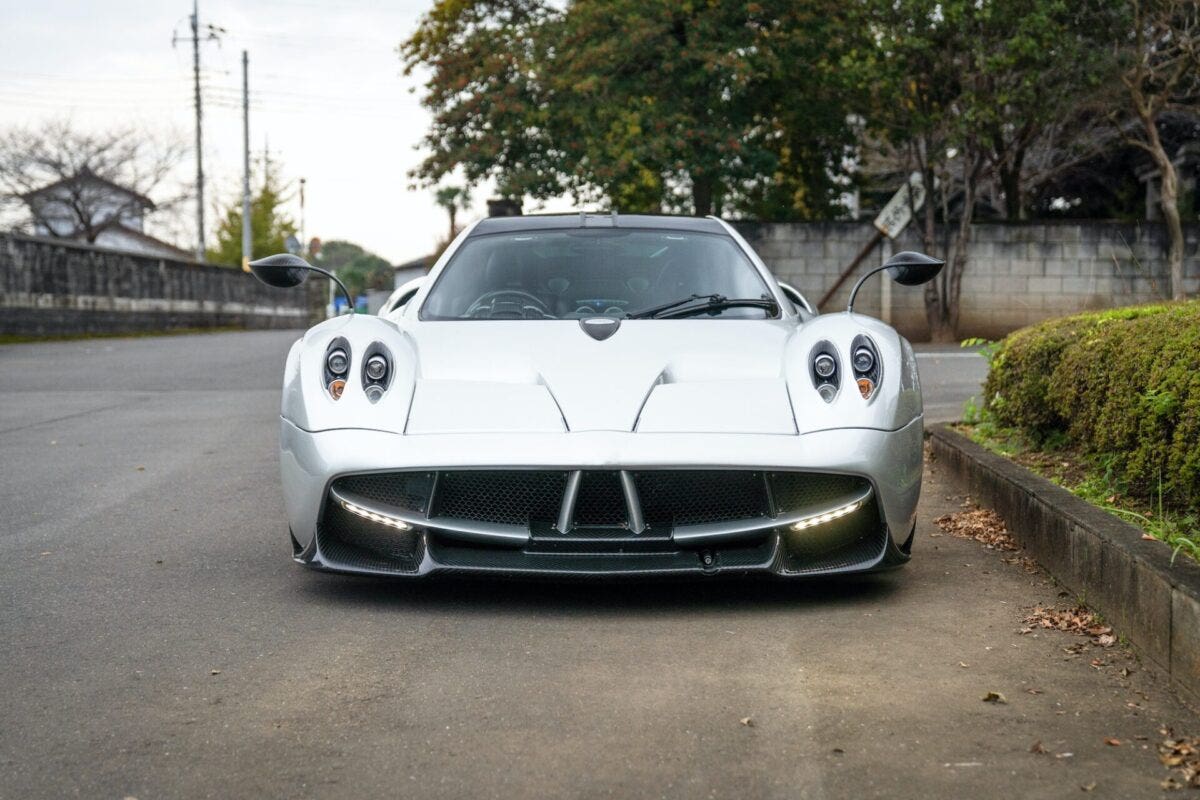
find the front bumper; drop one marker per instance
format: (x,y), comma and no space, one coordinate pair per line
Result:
(875,538)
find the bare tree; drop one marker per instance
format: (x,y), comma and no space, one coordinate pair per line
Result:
(78,164)
(1162,75)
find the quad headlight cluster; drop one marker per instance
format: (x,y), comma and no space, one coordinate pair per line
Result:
(864,364)
(376,369)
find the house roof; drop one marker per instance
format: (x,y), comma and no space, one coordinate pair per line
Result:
(133,233)
(87,174)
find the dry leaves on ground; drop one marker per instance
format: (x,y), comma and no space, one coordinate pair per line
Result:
(1077,620)
(981,524)
(1182,755)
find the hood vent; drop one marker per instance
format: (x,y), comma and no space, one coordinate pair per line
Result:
(599,328)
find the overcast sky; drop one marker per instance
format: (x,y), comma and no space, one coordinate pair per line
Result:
(327,94)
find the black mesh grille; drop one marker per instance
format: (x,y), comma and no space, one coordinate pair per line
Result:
(799,491)
(407,490)
(514,497)
(601,500)
(691,497)
(351,541)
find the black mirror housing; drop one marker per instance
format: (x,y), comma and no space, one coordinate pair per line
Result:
(913,269)
(282,271)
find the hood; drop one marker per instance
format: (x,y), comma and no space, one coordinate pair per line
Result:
(687,375)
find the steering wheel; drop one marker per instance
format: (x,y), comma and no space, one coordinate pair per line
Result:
(490,298)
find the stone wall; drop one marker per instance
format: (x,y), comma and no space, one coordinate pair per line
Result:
(1017,274)
(49,288)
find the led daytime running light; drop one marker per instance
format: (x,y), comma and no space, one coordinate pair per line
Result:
(828,516)
(359,511)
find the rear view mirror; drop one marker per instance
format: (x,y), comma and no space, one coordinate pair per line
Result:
(282,271)
(906,268)
(913,269)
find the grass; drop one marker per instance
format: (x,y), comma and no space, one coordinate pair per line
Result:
(1089,478)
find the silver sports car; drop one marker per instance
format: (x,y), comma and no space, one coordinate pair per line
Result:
(600,395)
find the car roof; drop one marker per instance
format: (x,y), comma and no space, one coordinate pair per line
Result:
(535,222)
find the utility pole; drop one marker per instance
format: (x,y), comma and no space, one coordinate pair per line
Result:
(246,222)
(212,35)
(303,244)
(199,132)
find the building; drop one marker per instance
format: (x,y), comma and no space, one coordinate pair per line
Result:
(90,209)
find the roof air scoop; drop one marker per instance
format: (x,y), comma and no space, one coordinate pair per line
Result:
(599,328)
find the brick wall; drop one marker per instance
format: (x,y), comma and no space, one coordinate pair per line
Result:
(1017,274)
(48,287)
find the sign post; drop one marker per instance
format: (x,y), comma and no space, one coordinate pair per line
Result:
(890,223)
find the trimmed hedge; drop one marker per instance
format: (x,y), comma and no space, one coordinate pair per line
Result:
(1123,385)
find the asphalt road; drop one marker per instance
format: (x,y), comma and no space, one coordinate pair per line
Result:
(157,641)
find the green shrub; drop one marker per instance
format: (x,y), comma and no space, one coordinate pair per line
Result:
(1122,385)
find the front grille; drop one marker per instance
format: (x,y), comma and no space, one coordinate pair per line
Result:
(797,492)
(601,500)
(406,490)
(513,497)
(668,498)
(692,497)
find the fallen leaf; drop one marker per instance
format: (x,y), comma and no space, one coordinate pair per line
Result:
(1148,536)
(747,721)
(1087,787)
(981,524)
(837,751)
(1111,742)
(1034,691)
(964,664)
(141,469)
(1037,747)
(1064,755)
(994,697)
(214,672)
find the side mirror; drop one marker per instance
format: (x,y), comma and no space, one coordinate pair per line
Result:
(285,270)
(912,269)
(282,271)
(906,268)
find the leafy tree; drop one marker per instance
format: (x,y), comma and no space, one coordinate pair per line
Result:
(361,270)
(270,225)
(452,198)
(649,105)
(1161,76)
(965,89)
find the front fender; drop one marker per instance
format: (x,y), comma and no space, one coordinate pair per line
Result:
(307,403)
(896,401)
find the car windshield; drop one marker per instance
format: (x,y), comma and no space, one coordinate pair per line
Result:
(582,272)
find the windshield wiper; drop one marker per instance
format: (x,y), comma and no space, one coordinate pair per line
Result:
(711,304)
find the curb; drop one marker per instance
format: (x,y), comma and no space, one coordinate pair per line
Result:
(1097,556)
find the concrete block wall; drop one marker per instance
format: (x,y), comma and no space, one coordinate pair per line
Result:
(1017,274)
(49,287)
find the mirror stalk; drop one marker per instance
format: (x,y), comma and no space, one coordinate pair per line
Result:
(857,286)
(906,268)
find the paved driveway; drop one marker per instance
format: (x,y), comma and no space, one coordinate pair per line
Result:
(157,641)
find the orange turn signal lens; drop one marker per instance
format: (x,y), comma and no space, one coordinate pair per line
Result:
(865,387)
(338,386)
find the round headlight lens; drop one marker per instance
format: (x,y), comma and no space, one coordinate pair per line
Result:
(824,365)
(376,367)
(337,361)
(864,359)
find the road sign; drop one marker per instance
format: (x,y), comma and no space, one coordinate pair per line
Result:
(898,212)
